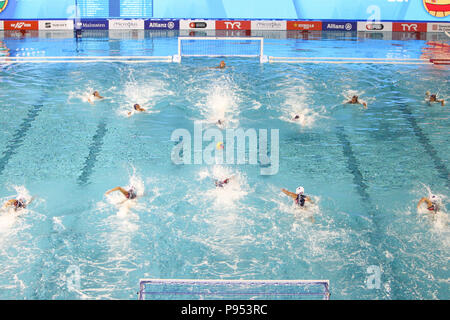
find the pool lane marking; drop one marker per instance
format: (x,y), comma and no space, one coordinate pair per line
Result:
(431,151)
(94,150)
(19,136)
(352,164)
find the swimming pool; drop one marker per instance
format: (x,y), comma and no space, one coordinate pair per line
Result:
(365,169)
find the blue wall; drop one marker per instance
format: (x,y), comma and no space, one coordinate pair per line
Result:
(244,9)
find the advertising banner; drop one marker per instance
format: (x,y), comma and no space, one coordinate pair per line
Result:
(56,25)
(121,24)
(339,26)
(379,26)
(21,25)
(92,24)
(409,27)
(197,24)
(268,25)
(233,25)
(438,27)
(153,24)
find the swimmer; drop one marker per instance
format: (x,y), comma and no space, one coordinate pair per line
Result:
(130,194)
(432,203)
(355,100)
(17,203)
(298,196)
(222,183)
(433,99)
(296,117)
(222,65)
(95,95)
(220,123)
(138,108)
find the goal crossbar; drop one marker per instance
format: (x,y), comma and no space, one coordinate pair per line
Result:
(244,40)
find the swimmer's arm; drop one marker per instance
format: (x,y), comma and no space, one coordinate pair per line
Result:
(429,203)
(9,203)
(309,199)
(112,190)
(290,194)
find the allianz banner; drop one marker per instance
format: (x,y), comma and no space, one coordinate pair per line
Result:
(159,24)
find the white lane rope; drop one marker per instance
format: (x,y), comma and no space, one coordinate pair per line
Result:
(80,61)
(86,59)
(348,60)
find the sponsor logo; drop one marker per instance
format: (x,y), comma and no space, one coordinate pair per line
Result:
(56,25)
(409,27)
(438,27)
(21,25)
(374,26)
(3,4)
(92,24)
(437,8)
(340,26)
(198,25)
(161,25)
(304,25)
(268,25)
(126,24)
(233,25)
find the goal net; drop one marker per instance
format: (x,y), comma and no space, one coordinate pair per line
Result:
(171,289)
(220,47)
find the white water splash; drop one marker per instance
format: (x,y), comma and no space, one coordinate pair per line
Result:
(145,93)
(221,102)
(297,104)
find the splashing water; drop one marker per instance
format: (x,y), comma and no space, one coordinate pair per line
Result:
(221,102)
(348,94)
(440,218)
(297,104)
(227,197)
(145,93)
(123,205)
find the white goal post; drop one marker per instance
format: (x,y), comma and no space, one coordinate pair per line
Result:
(248,47)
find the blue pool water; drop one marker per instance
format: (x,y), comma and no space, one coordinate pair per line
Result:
(365,169)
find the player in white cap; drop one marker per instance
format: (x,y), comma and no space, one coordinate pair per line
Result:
(432,203)
(299,197)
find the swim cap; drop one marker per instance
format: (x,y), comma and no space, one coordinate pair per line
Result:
(299,190)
